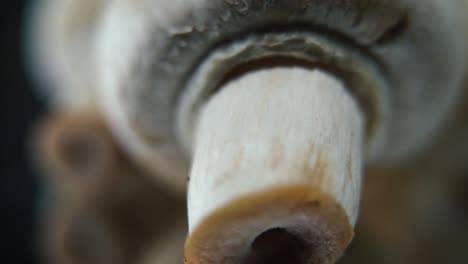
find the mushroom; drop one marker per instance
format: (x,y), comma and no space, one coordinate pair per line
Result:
(99,232)
(80,236)
(102,209)
(275,106)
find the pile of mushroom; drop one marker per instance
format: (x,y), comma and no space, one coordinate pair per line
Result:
(269,110)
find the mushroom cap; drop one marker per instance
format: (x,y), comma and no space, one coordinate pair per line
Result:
(60,51)
(138,59)
(161,45)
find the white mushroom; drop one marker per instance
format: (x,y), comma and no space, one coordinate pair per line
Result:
(276,105)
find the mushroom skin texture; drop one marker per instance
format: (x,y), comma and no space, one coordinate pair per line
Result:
(152,67)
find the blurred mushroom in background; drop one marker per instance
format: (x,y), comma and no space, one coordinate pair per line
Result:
(101,208)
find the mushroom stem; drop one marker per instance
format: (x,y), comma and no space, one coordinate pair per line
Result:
(277,152)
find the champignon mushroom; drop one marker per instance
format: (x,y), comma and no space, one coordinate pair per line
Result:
(122,231)
(102,209)
(275,106)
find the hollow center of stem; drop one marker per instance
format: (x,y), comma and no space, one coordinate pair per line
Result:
(277,245)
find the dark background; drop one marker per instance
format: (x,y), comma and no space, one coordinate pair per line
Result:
(19,183)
